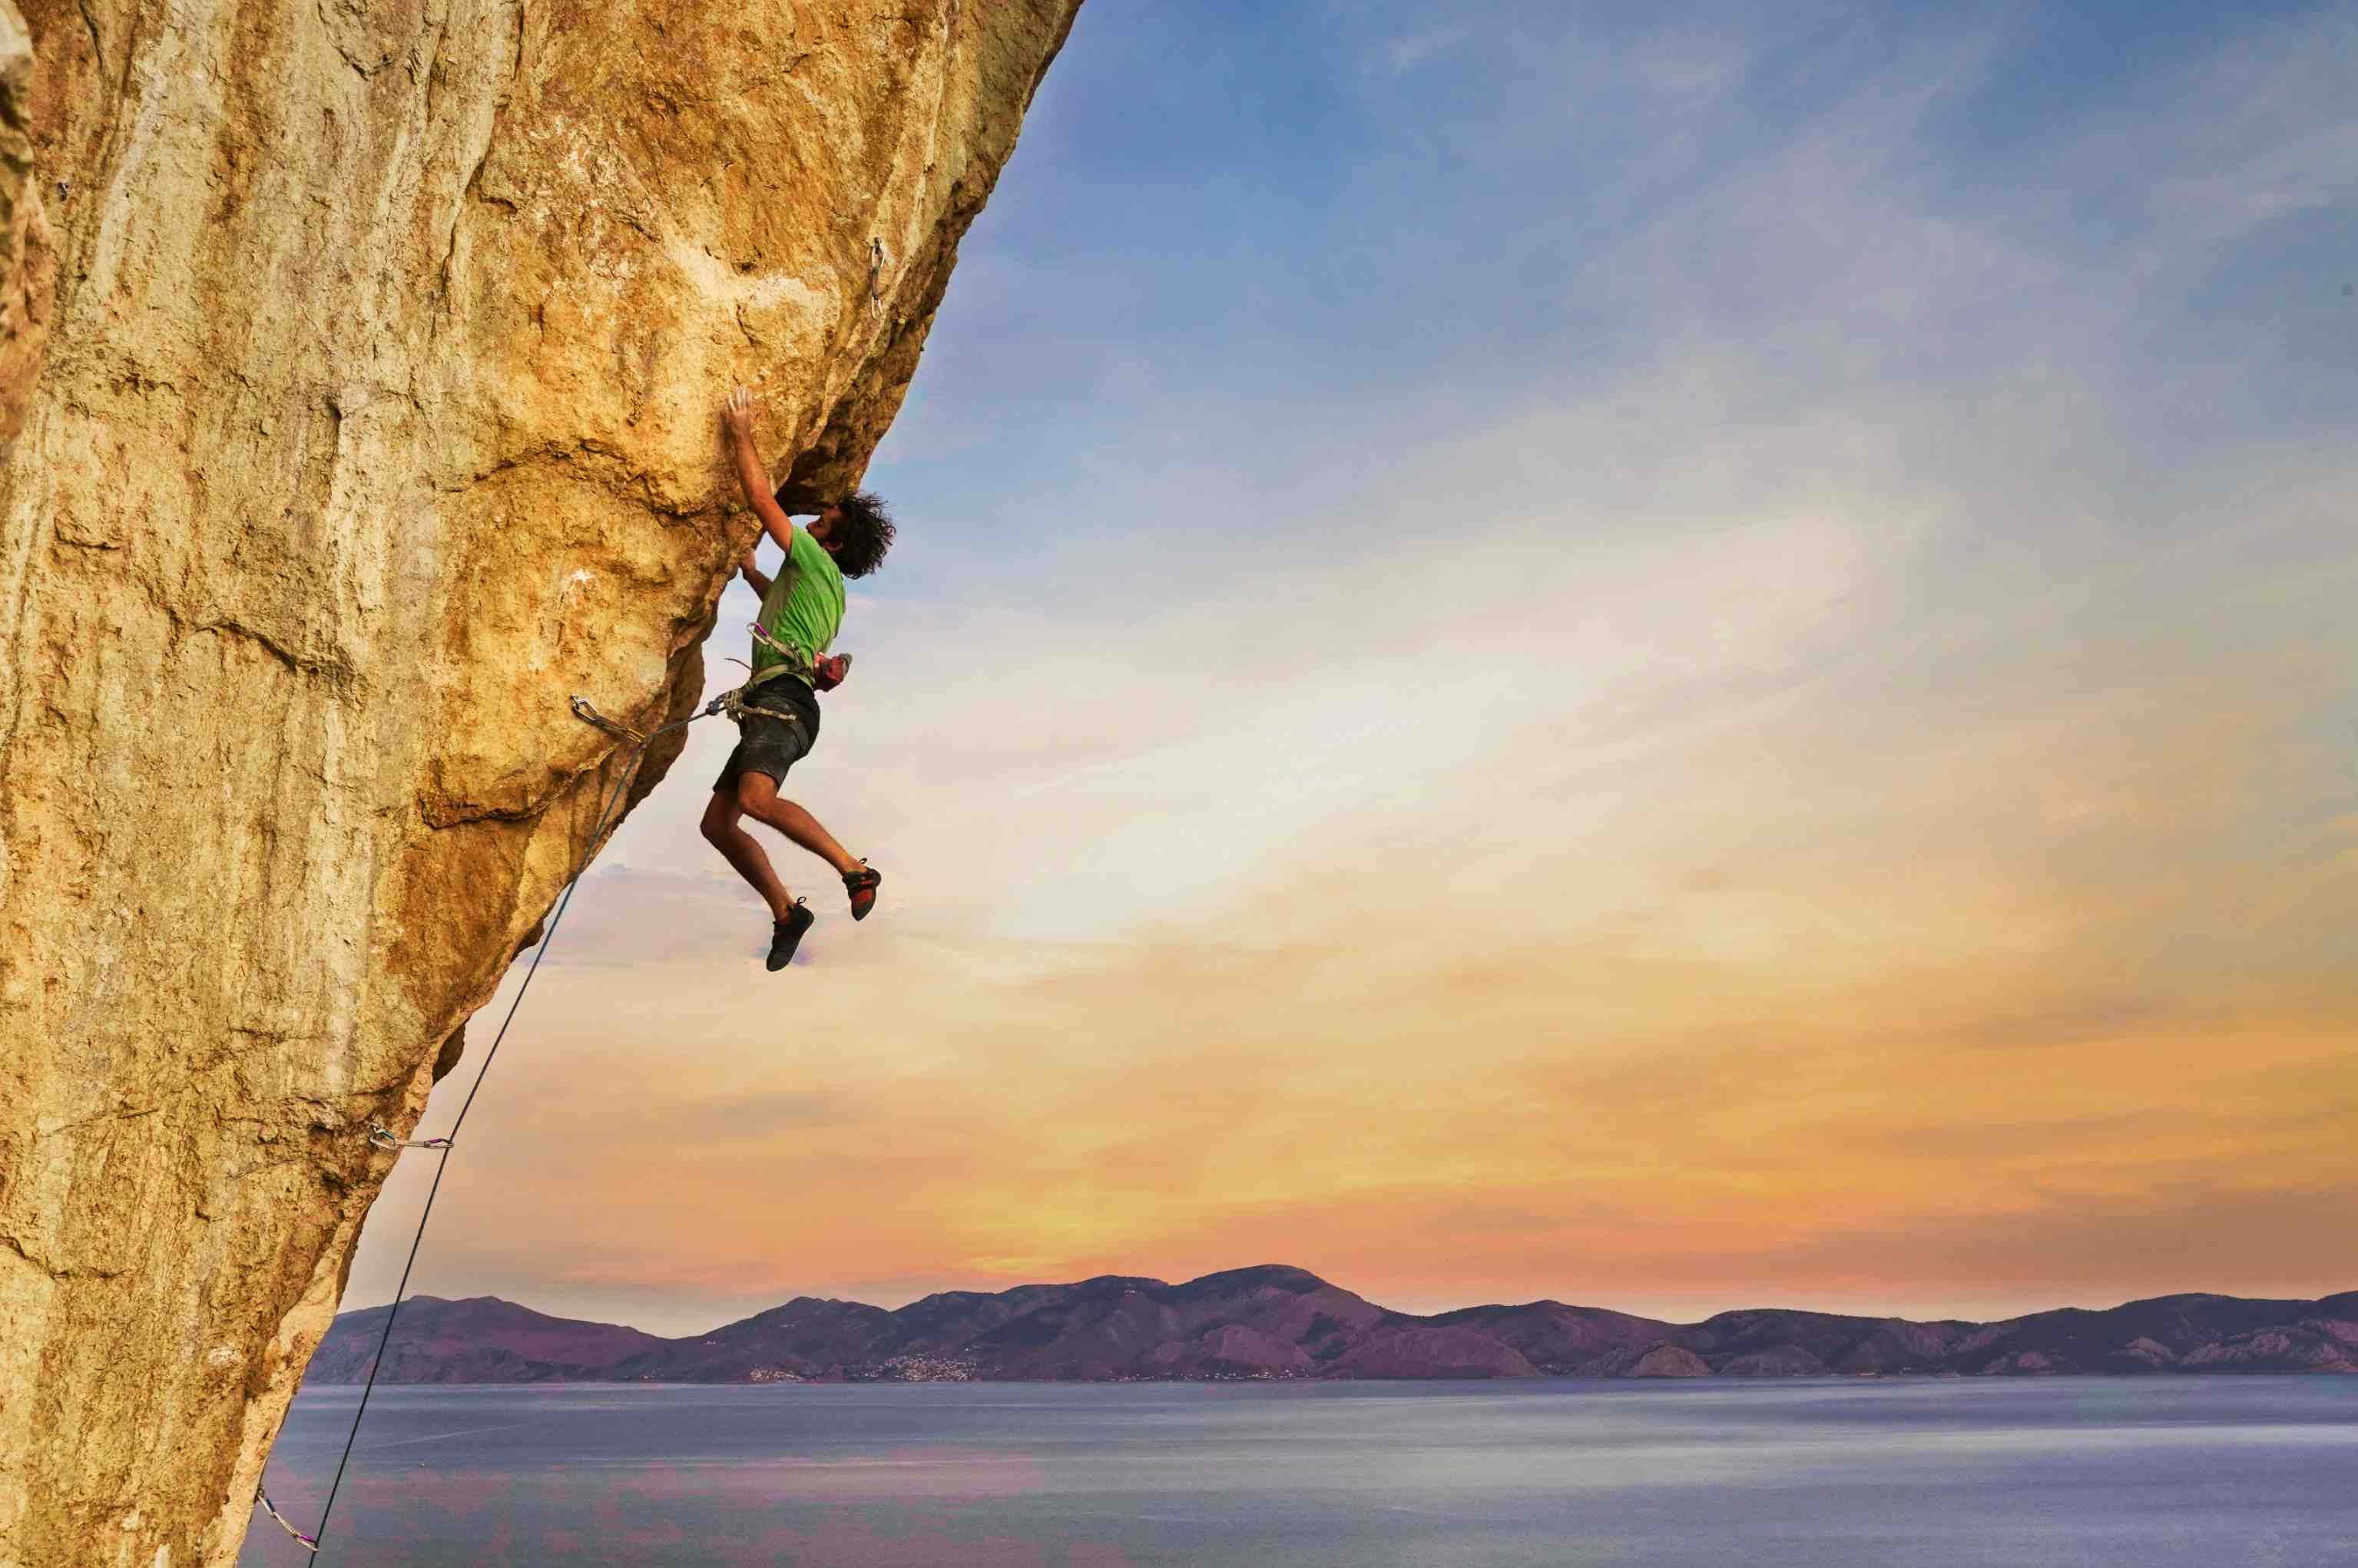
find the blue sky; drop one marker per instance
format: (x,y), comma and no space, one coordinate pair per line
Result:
(1242,246)
(1673,663)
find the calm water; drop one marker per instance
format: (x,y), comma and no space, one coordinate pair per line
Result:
(1897,1474)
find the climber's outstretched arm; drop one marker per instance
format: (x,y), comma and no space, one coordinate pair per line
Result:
(754,575)
(737,414)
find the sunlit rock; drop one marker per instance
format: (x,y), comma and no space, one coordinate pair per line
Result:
(377,418)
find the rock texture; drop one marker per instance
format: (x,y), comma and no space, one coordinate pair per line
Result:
(377,417)
(27,272)
(1277,1322)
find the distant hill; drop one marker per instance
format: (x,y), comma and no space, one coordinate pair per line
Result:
(1279,1322)
(479,1340)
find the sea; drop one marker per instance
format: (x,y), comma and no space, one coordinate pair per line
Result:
(2169,1471)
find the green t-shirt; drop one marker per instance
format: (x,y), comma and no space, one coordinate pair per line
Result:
(804,605)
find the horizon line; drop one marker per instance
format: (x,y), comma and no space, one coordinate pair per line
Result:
(1254,1268)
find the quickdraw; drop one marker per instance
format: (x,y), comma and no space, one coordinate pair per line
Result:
(385,1137)
(310,1543)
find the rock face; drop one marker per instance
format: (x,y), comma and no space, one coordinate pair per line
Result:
(377,418)
(27,273)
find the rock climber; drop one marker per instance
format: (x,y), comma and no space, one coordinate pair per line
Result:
(802,608)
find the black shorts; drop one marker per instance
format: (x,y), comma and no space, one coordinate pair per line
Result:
(767,745)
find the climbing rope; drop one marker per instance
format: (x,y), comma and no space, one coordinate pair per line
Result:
(730,702)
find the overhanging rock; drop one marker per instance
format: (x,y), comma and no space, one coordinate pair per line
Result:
(377,417)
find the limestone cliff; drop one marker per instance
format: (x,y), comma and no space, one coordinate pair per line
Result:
(377,417)
(26,272)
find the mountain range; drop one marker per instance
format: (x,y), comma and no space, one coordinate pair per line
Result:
(1280,1322)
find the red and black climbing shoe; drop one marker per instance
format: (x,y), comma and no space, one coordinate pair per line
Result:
(786,934)
(862,885)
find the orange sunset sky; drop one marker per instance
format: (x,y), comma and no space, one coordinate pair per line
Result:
(1811,764)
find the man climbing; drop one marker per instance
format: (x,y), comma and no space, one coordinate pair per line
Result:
(801,610)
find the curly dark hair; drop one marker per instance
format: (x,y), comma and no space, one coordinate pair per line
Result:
(861,533)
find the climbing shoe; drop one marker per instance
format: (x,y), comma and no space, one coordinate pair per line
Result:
(786,934)
(862,885)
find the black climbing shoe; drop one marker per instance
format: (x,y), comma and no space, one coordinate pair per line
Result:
(862,885)
(786,934)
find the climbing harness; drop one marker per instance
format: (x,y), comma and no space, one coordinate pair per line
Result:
(733,704)
(824,673)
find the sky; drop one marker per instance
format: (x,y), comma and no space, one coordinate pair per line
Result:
(1670,663)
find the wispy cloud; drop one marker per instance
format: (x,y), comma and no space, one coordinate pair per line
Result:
(1782,786)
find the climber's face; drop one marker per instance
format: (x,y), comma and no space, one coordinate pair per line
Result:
(822,526)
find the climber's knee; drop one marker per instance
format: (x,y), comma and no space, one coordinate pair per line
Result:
(719,816)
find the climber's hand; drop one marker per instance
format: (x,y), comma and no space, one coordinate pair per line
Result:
(737,414)
(756,578)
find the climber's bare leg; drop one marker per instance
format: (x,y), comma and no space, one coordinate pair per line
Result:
(742,850)
(757,798)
